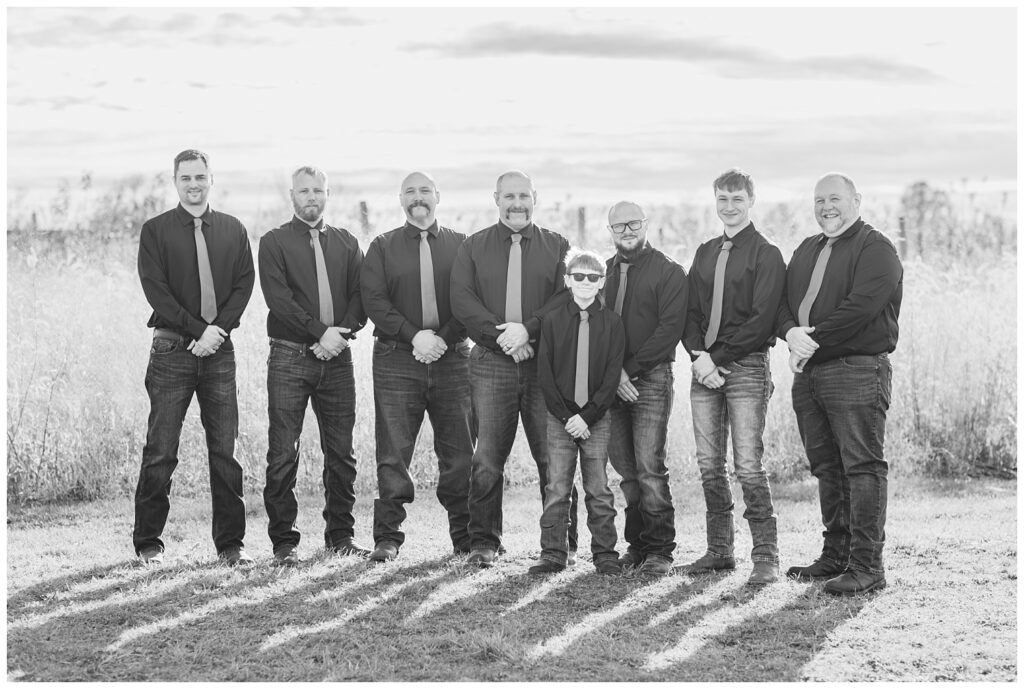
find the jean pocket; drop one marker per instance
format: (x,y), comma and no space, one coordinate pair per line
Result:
(283,353)
(463,349)
(164,345)
(477,352)
(867,362)
(384,348)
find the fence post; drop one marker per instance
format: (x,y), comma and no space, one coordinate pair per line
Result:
(364,218)
(581,225)
(903,237)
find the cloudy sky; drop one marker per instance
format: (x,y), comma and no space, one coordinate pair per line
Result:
(647,103)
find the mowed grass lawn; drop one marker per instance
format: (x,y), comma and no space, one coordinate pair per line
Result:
(80,608)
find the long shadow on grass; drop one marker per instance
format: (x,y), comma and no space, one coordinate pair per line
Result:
(762,635)
(95,580)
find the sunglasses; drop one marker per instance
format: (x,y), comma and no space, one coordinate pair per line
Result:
(580,277)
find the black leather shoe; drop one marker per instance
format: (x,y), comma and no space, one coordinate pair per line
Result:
(233,556)
(763,573)
(853,582)
(816,570)
(482,557)
(610,567)
(348,546)
(153,555)
(656,565)
(385,551)
(545,567)
(709,563)
(631,558)
(286,555)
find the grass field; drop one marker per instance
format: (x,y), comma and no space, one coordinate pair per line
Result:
(79,608)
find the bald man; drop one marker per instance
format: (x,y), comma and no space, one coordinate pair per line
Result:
(420,364)
(839,316)
(648,290)
(505,279)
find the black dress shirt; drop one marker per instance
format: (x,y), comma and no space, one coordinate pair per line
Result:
(755,276)
(654,310)
(169,270)
(288,278)
(858,307)
(556,360)
(390,280)
(480,272)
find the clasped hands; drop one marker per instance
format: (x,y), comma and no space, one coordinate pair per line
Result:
(577,428)
(515,341)
(331,344)
(427,347)
(209,342)
(801,347)
(706,372)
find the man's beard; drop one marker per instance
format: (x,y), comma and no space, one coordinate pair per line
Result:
(630,254)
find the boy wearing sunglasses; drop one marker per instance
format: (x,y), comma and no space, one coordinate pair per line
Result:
(579,361)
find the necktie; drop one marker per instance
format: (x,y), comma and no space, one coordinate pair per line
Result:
(715,322)
(323,286)
(514,282)
(582,393)
(804,312)
(428,292)
(620,295)
(208,296)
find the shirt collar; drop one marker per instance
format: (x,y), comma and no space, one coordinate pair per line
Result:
(741,236)
(507,232)
(187,218)
(594,307)
(413,232)
(303,226)
(848,232)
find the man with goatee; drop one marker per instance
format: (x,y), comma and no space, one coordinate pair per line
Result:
(420,364)
(309,272)
(839,315)
(503,282)
(648,291)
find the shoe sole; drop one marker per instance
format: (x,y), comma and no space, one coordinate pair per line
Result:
(816,577)
(877,586)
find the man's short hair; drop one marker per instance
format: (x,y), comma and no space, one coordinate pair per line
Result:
(846,178)
(513,173)
(312,172)
(734,179)
(190,154)
(583,258)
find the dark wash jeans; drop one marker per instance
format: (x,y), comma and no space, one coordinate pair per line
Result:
(173,376)
(502,391)
(554,522)
(738,406)
(403,389)
(294,377)
(637,452)
(840,410)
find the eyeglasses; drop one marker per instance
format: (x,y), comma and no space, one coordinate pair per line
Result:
(580,277)
(620,227)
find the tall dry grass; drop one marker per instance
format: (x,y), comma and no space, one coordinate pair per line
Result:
(78,349)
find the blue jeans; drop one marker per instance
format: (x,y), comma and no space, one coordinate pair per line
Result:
(840,409)
(637,452)
(740,406)
(554,522)
(294,377)
(403,389)
(502,391)
(173,376)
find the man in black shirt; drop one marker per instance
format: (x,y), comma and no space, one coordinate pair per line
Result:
(309,272)
(648,291)
(839,315)
(196,270)
(503,281)
(736,283)
(420,363)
